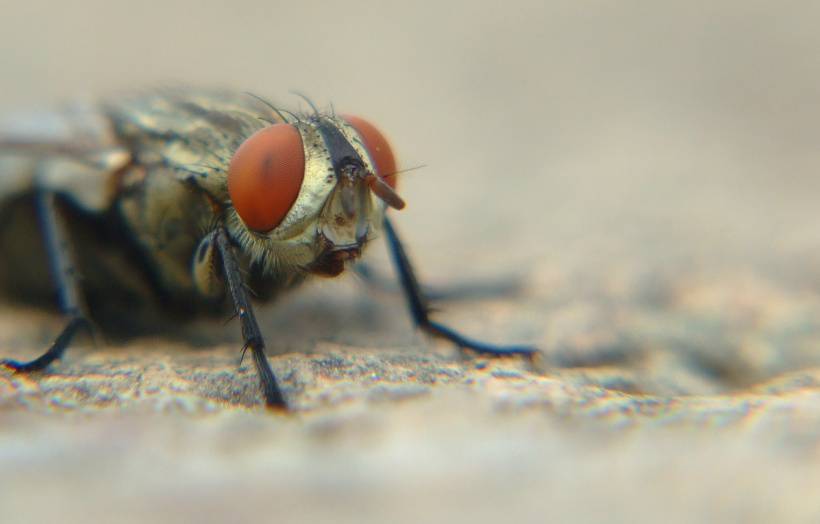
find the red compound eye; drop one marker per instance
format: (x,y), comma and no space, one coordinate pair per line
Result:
(377,147)
(265,176)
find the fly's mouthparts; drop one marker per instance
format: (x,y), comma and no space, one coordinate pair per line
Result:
(350,252)
(348,200)
(332,259)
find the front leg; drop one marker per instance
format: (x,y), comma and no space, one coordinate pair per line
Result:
(420,311)
(250,329)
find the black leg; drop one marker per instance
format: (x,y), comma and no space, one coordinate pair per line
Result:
(420,311)
(65,276)
(54,352)
(250,329)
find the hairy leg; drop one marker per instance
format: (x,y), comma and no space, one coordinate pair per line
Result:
(250,329)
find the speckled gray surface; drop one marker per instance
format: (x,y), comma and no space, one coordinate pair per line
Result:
(649,175)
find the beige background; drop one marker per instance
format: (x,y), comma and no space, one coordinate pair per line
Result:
(649,169)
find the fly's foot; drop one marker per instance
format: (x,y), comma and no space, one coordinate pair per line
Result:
(22,367)
(440,330)
(54,352)
(274,400)
(270,388)
(531,355)
(465,343)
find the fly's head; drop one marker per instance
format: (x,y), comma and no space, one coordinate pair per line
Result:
(307,195)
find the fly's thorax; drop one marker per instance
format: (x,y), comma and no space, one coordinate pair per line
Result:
(333,214)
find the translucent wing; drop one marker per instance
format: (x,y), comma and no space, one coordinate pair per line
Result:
(72,152)
(194,133)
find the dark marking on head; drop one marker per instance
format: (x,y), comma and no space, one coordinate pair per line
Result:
(341,152)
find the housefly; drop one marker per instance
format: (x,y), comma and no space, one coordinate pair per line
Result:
(172,204)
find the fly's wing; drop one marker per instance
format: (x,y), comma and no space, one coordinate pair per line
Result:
(72,152)
(193,133)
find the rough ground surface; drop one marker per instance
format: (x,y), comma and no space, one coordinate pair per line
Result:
(649,175)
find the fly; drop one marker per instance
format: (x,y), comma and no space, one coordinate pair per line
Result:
(177,204)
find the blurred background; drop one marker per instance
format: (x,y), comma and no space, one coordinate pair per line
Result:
(650,169)
(544,126)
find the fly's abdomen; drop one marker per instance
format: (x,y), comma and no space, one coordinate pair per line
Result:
(115,285)
(24,271)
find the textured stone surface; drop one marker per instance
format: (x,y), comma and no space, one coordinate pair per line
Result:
(606,428)
(647,172)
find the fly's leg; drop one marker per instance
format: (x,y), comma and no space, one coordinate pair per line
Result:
(65,276)
(420,311)
(250,329)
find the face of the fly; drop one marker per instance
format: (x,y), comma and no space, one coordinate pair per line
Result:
(307,195)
